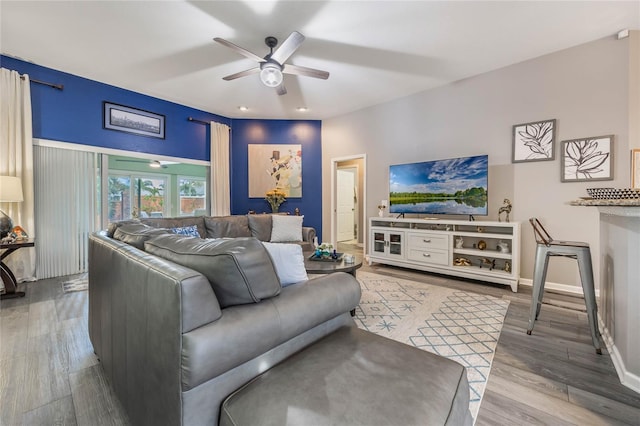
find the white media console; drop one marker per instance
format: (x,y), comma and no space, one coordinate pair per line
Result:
(485,251)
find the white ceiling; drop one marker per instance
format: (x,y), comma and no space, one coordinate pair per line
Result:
(376,51)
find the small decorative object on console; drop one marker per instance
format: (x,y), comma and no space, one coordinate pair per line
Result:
(482,245)
(505,209)
(381,208)
(459,242)
(503,247)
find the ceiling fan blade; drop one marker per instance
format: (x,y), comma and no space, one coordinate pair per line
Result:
(287,48)
(281,89)
(240,50)
(242,74)
(309,72)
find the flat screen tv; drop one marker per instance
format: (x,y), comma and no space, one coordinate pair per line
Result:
(456,186)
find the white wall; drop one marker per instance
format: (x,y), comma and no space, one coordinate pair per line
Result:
(585,88)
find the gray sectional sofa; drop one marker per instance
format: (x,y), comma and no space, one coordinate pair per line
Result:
(193,331)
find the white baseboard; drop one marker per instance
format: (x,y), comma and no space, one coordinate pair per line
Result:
(562,288)
(628,379)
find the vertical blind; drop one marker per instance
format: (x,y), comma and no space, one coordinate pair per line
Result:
(65,211)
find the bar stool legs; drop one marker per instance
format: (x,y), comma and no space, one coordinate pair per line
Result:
(588,288)
(583,256)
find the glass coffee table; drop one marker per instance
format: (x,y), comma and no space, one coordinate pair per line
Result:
(329,267)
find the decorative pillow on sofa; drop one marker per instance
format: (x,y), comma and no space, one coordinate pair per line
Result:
(187,231)
(288,261)
(286,228)
(239,270)
(233,226)
(136,234)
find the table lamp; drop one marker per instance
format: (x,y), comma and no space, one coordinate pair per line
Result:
(10,192)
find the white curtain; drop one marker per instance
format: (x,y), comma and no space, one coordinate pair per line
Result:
(16,159)
(66,198)
(220,188)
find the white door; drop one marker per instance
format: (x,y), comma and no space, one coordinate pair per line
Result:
(346,198)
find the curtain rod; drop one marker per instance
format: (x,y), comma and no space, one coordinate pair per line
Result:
(45,83)
(198,121)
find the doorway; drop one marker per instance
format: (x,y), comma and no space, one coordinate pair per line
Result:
(348,201)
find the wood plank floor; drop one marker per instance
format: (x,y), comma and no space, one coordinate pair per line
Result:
(49,374)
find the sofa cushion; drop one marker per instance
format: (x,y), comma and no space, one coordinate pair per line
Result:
(288,261)
(240,270)
(227,226)
(354,376)
(187,231)
(260,226)
(286,228)
(177,222)
(111,228)
(136,234)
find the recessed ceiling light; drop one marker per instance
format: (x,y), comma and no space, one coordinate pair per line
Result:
(243,108)
(302,109)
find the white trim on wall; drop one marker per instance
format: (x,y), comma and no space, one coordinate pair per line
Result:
(362,218)
(111,151)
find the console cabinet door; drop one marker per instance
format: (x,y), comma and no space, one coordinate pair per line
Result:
(387,243)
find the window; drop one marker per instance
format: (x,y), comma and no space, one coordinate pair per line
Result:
(136,196)
(192,196)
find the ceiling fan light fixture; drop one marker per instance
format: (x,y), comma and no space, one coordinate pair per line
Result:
(271,75)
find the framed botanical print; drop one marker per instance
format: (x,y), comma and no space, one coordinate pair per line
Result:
(587,159)
(534,141)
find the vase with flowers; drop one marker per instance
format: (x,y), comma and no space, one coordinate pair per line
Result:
(275,197)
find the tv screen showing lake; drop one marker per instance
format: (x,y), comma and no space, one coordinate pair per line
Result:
(440,207)
(451,186)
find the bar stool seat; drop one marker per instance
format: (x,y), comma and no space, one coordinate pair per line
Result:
(547,247)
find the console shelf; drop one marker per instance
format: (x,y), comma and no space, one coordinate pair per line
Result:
(485,251)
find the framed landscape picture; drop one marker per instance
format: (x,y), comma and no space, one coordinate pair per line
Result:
(587,159)
(132,120)
(534,141)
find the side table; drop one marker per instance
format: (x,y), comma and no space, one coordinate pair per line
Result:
(9,280)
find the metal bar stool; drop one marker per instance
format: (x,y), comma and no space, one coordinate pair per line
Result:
(548,247)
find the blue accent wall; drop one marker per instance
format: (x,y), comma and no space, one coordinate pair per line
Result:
(75,115)
(306,133)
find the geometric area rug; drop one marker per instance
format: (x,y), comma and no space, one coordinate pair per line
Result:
(80,283)
(461,326)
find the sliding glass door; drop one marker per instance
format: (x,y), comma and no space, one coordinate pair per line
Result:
(134,195)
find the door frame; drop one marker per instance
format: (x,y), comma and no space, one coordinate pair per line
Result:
(334,196)
(355,172)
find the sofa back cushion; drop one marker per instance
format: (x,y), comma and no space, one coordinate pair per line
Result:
(227,226)
(136,234)
(177,222)
(239,270)
(260,226)
(111,228)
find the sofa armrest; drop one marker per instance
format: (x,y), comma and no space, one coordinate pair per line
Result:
(308,234)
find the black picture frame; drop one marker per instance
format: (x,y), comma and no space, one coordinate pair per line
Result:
(132,120)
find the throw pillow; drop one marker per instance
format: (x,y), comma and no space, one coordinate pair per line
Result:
(286,229)
(187,231)
(288,261)
(239,270)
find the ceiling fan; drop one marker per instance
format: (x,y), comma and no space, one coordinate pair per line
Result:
(273,65)
(152,163)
